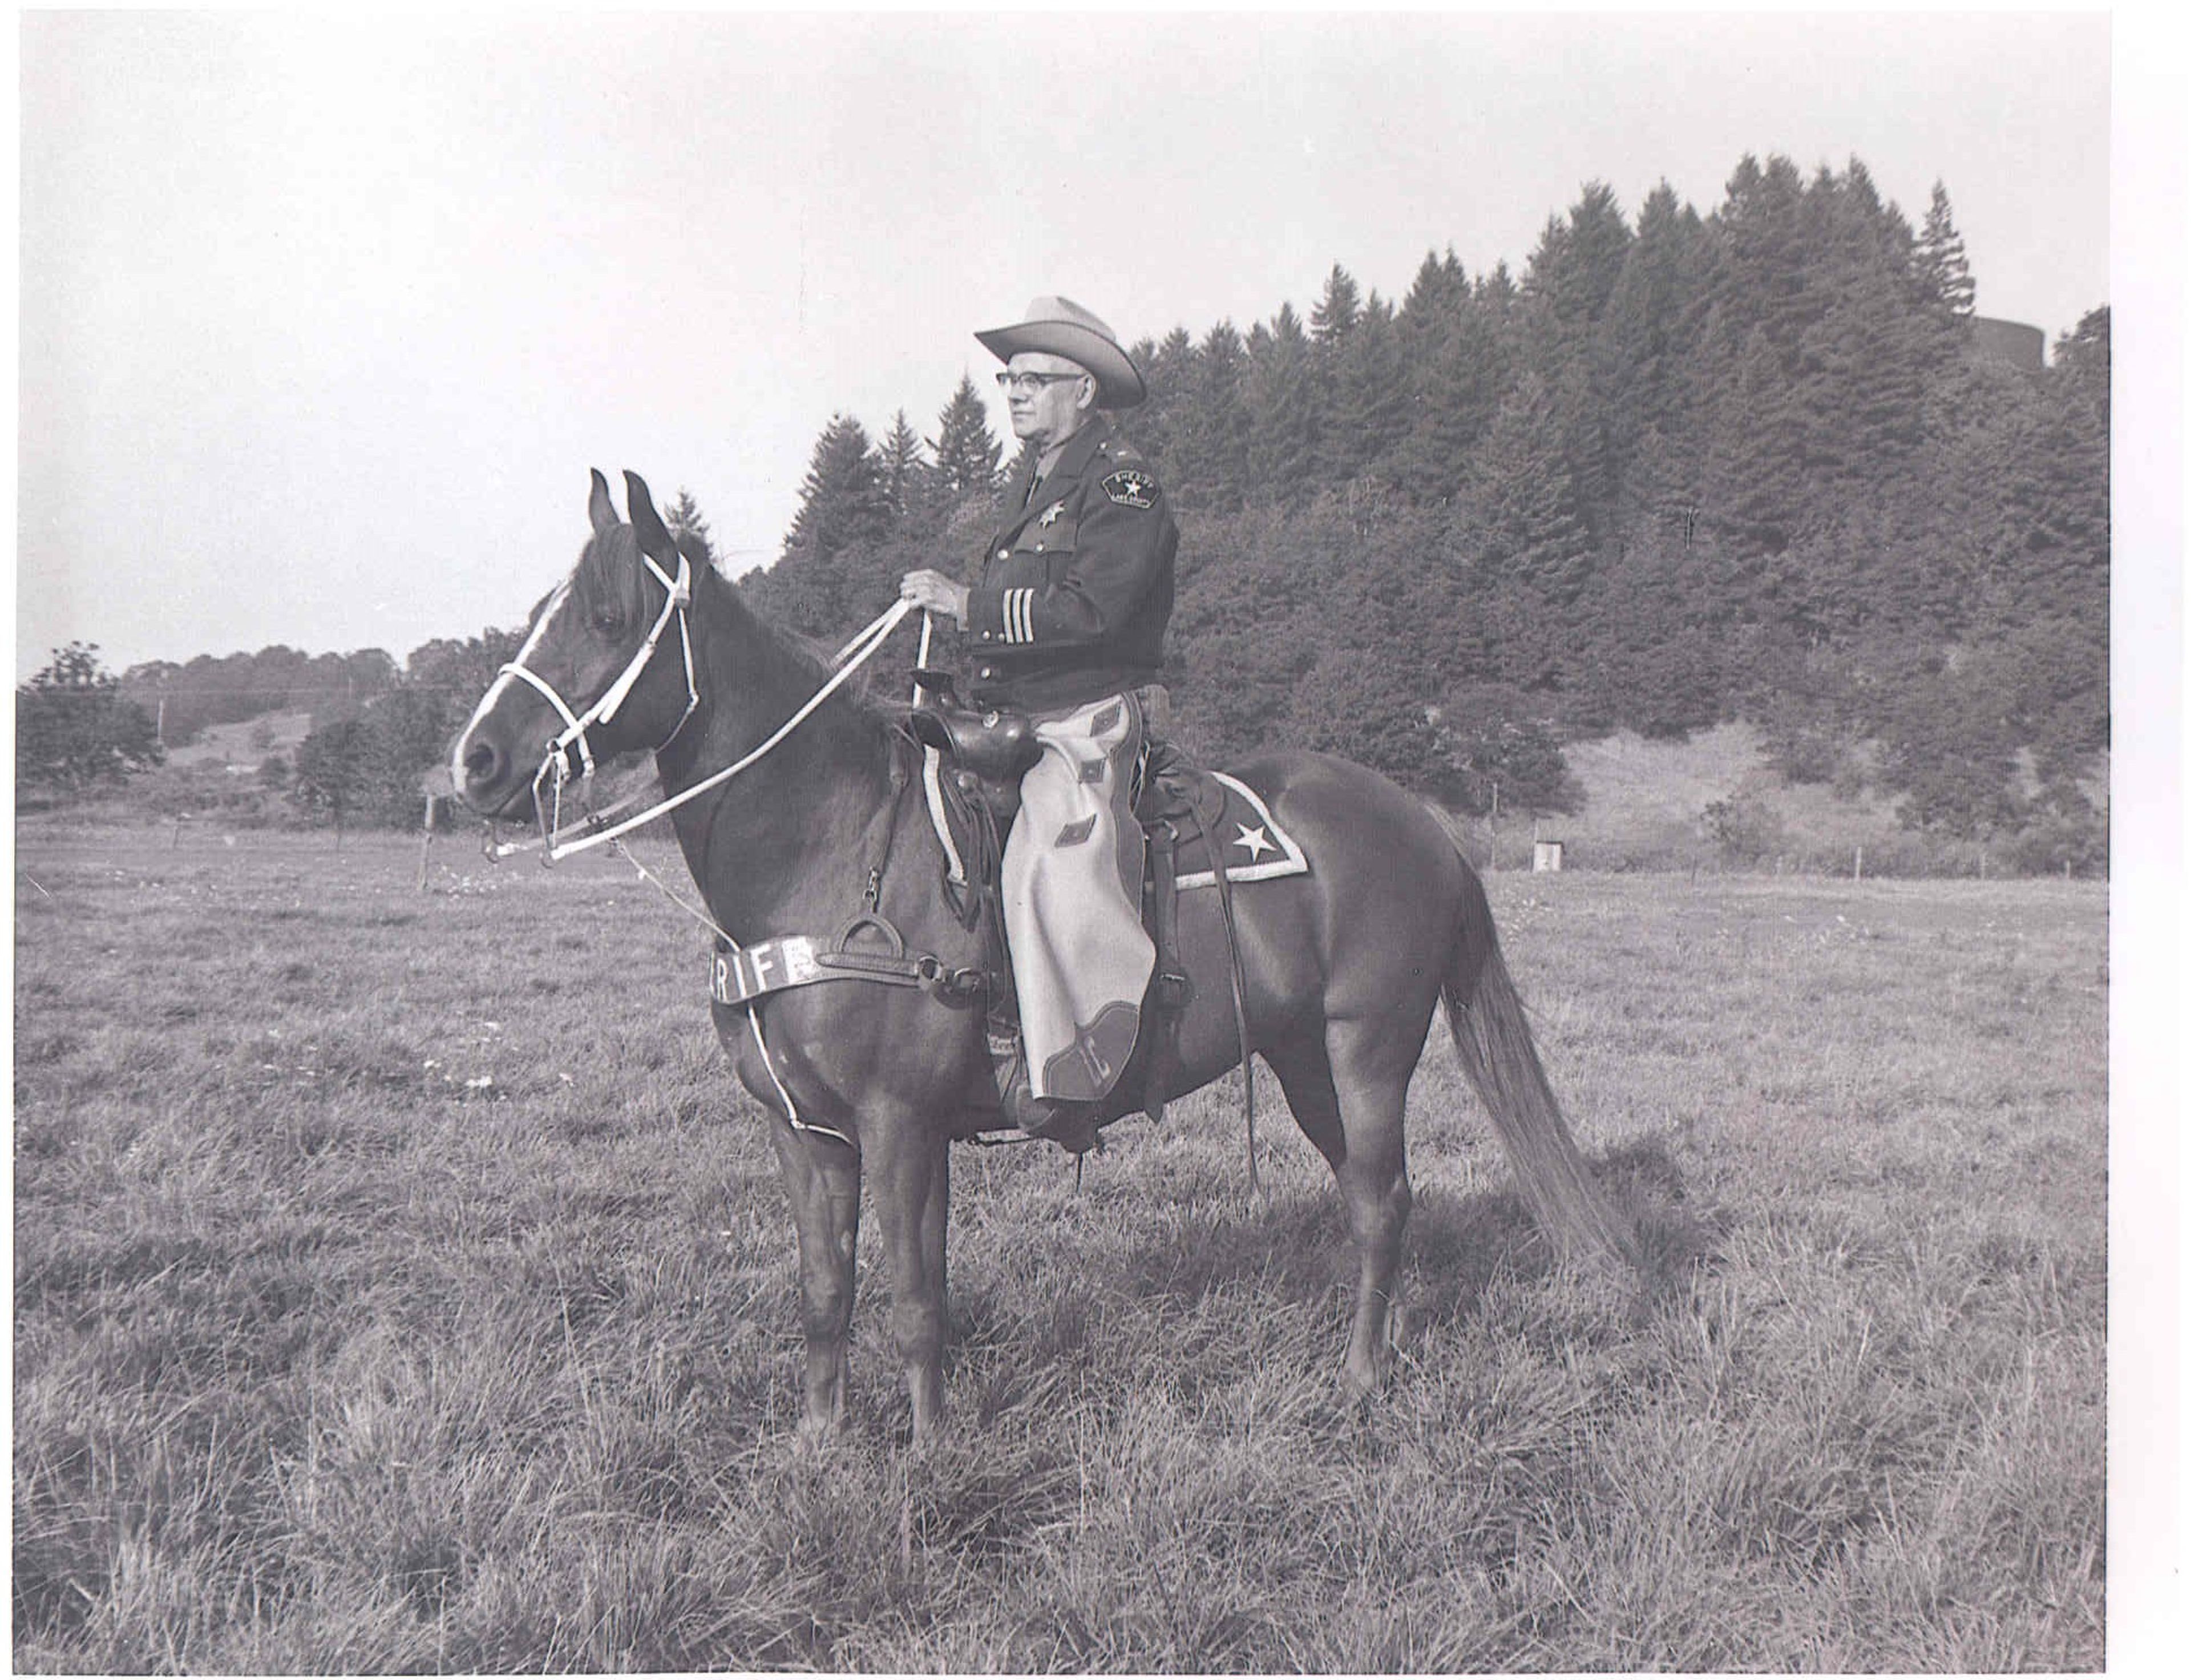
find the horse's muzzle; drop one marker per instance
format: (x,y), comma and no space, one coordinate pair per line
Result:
(488,779)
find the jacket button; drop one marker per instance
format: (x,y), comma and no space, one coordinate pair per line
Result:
(1004,553)
(988,671)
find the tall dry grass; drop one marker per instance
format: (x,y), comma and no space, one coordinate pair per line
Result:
(400,1283)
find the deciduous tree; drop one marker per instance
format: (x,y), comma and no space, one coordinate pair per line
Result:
(74,731)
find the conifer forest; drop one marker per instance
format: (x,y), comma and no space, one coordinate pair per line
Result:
(1684,468)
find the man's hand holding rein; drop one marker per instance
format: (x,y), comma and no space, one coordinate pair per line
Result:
(933,592)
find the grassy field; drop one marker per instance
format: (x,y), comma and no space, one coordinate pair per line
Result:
(400,1283)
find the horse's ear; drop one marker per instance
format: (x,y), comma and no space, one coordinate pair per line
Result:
(601,510)
(653,535)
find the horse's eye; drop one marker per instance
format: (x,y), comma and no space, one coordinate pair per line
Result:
(609,620)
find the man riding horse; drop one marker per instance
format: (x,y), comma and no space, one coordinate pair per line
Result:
(1067,624)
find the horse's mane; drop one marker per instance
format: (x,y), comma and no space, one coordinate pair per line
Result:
(814,654)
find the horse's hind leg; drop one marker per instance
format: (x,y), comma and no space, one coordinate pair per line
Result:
(822,1179)
(1350,1096)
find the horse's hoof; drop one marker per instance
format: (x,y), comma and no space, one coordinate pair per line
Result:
(819,1434)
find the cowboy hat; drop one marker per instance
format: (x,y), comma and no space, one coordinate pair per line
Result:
(1059,327)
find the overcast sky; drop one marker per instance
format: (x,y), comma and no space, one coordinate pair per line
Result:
(323,322)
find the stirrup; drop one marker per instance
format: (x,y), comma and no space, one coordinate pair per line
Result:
(1072,1126)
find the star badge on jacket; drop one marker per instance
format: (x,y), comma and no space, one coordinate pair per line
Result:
(1131,487)
(1057,509)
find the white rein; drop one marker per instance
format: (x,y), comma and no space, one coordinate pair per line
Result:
(596,829)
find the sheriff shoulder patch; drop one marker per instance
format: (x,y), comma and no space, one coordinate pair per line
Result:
(1131,487)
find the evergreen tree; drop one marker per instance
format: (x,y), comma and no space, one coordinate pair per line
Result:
(901,474)
(1281,436)
(1576,265)
(1569,283)
(2082,365)
(966,451)
(843,499)
(1211,468)
(1167,368)
(1864,362)
(1949,751)
(1756,474)
(1519,516)
(1654,322)
(689,526)
(830,573)
(1527,524)
(1337,312)
(1760,230)
(1367,406)
(1497,291)
(1943,270)
(1990,420)
(1439,290)
(1458,369)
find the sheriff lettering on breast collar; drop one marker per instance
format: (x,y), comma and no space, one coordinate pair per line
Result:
(1065,622)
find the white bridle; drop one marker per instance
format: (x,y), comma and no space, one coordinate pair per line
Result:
(556,761)
(599,827)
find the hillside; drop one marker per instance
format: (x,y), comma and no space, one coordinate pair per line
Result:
(244,745)
(1714,802)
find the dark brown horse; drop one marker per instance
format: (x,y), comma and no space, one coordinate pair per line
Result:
(1344,966)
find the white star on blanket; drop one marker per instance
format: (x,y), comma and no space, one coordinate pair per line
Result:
(1255,839)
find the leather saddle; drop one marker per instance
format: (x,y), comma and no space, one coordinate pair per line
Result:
(994,748)
(984,753)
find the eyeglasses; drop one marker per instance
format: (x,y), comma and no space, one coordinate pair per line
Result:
(1025,385)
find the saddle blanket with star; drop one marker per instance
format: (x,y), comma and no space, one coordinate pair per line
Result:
(1249,838)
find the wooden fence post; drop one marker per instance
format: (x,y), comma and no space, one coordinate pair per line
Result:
(1859,863)
(425,839)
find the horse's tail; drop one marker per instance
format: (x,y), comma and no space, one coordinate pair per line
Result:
(1491,1032)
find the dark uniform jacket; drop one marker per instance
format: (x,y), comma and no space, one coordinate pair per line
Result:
(1076,587)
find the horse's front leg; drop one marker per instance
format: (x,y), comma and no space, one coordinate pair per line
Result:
(821,1176)
(911,1164)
